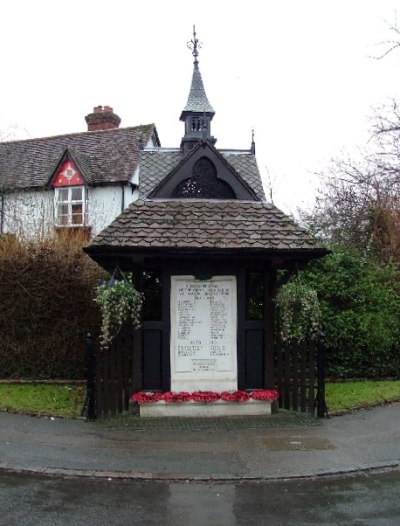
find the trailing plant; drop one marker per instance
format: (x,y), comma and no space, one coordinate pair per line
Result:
(119,302)
(299,314)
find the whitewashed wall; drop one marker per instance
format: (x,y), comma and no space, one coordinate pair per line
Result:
(28,214)
(31,214)
(106,203)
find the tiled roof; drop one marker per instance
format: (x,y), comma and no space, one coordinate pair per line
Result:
(105,156)
(156,164)
(190,224)
(197,101)
(246,166)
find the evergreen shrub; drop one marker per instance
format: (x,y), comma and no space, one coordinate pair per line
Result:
(46,307)
(360,314)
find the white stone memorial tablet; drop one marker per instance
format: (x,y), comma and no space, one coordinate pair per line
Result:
(203,333)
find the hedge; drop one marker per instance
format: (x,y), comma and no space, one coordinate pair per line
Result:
(47,307)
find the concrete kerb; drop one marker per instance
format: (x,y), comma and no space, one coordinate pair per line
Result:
(187,477)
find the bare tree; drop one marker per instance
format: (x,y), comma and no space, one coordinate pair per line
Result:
(393,42)
(358,204)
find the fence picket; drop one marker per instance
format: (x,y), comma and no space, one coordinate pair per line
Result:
(113,374)
(295,376)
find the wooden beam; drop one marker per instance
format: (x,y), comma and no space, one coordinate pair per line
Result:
(137,351)
(269,313)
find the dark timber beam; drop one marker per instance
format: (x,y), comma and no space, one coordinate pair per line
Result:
(269,290)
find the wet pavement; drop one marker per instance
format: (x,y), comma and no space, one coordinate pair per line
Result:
(201,449)
(361,499)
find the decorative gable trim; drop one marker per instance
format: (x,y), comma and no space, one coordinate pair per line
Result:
(68,175)
(184,170)
(67,172)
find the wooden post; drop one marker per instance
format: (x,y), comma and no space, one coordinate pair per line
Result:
(241,330)
(166,331)
(311,379)
(322,409)
(90,379)
(137,342)
(269,289)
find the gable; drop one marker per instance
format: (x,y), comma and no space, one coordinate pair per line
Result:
(157,163)
(67,173)
(204,174)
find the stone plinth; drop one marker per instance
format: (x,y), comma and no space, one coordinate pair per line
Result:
(210,409)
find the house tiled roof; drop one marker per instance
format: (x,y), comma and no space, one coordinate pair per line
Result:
(156,164)
(106,156)
(203,224)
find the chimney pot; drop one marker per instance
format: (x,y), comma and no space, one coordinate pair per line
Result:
(102,119)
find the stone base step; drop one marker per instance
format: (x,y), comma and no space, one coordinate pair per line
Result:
(201,409)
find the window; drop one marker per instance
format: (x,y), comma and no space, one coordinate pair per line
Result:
(70,206)
(198,124)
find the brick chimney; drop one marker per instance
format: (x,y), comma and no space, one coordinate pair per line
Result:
(102,119)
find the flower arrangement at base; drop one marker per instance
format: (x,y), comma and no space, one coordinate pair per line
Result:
(205,396)
(265,394)
(235,396)
(144,397)
(172,397)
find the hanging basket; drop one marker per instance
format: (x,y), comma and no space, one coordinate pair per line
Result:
(119,302)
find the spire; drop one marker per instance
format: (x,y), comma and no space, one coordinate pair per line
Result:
(198,112)
(197,101)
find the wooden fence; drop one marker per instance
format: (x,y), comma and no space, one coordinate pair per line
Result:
(109,375)
(298,372)
(295,376)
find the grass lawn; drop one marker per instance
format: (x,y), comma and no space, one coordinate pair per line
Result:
(67,400)
(43,399)
(352,395)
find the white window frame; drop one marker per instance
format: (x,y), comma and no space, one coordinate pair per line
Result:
(69,203)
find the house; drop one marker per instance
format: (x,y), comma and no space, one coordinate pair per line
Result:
(204,248)
(79,181)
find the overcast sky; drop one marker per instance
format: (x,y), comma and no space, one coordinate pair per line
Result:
(299,71)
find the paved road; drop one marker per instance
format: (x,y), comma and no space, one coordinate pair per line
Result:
(363,440)
(30,500)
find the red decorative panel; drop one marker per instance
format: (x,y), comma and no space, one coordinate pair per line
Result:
(68,175)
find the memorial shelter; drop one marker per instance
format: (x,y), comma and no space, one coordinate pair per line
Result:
(204,247)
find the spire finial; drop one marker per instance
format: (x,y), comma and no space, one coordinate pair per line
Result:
(195,45)
(253,144)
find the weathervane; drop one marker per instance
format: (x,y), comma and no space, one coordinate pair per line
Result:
(194,45)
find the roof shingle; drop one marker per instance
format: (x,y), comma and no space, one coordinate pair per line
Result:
(204,224)
(106,156)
